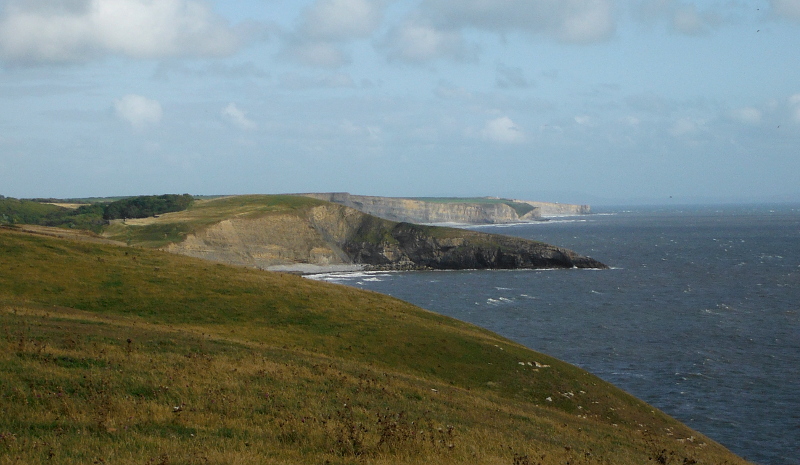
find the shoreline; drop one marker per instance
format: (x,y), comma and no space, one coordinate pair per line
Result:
(311,269)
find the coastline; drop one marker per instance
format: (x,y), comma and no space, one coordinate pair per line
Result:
(310,269)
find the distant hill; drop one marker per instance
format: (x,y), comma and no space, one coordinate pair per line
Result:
(124,355)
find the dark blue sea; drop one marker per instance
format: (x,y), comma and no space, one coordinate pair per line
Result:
(699,315)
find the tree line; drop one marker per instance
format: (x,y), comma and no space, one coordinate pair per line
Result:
(92,216)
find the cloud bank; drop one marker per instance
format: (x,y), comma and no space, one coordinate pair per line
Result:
(42,31)
(573,21)
(417,40)
(326,24)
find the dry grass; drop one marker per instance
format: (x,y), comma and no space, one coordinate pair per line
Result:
(127,356)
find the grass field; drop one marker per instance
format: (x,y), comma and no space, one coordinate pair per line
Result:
(112,354)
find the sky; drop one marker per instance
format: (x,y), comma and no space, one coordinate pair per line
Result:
(577,101)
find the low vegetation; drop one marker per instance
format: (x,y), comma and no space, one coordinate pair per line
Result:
(92,216)
(112,354)
(146,205)
(15,211)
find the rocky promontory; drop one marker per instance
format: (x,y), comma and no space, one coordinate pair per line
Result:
(414,247)
(483,210)
(326,234)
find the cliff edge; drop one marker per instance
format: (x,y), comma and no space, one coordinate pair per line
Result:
(483,210)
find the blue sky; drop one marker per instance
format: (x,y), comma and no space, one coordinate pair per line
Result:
(583,101)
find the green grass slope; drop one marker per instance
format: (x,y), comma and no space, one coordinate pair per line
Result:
(122,355)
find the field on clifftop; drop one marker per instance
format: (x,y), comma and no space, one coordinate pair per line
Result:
(112,354)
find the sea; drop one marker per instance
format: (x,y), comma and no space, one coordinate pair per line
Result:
(699,314)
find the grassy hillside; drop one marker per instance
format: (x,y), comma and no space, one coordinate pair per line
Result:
(112,354)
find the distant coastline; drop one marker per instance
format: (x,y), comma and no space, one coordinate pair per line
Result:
(453,210)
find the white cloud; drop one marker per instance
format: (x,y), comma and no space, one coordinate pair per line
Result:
(326,25)
(237,117)
(419,41)
(503,130)
(687,20)
(789,9)
(586,22)
(573,21)
(40,31)
(747,115)
(342,19)
(685,127)
(138,111)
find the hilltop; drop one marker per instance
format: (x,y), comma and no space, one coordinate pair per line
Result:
(115,354)
(266,231)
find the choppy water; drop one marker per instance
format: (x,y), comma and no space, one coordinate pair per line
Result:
(700,315)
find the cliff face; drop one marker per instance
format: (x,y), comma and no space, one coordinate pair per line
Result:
(261,243)
(549,209)
(331,234)
(487,211)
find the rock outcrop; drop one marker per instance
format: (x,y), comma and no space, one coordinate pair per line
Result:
(328,234)
(464,211)
(411,246)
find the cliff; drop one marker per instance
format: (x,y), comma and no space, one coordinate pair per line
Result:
(452,210)
(326,234)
